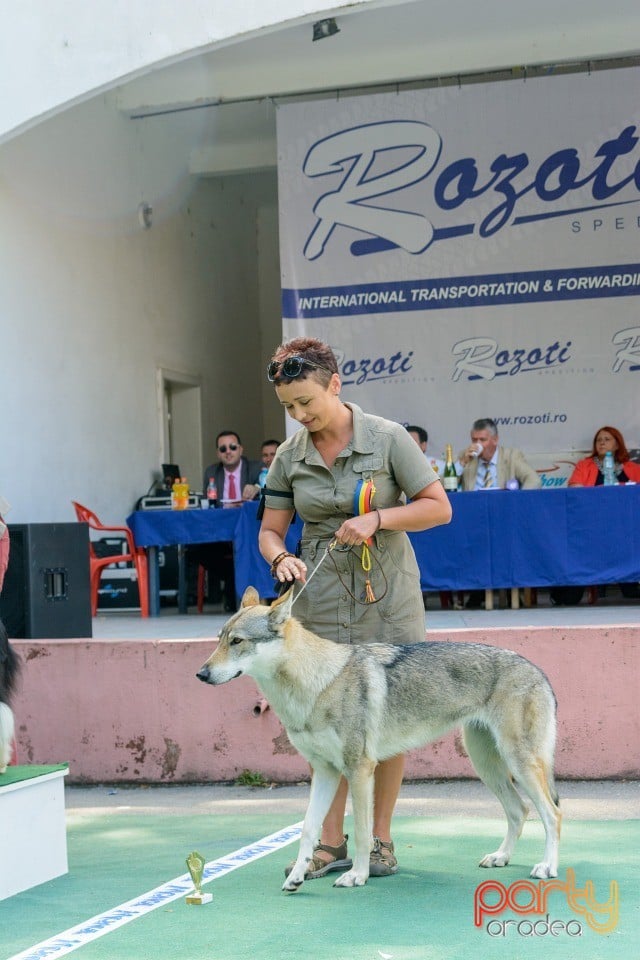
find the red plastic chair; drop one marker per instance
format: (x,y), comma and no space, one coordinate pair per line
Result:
(136,555)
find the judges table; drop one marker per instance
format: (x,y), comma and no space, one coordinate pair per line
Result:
(496,539)
(154,529)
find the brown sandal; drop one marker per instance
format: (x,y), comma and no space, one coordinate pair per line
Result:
(317,867)
(382,859)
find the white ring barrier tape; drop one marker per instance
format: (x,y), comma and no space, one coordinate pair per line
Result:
(76,937)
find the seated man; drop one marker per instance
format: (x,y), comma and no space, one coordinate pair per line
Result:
(236,477)
(236,480)
(421,437)
(267,453)
(485,465)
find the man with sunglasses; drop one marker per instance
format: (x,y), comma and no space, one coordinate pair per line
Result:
(236,480)
(236,477)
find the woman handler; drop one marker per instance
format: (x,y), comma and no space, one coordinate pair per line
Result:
(354,598)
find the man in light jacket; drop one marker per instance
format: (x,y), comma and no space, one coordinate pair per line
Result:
(486,465)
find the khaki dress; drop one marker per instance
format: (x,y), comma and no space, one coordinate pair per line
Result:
(333,604)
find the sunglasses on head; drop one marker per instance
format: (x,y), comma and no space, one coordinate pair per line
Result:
(291,368)
(224,447)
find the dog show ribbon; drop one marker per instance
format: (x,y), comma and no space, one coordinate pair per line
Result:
(362,503)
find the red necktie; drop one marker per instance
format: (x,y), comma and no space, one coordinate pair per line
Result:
(233,495)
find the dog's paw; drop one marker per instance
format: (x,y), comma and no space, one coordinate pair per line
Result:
(543,871)
(295,878)
(351,879)
(291,885)
(496,859)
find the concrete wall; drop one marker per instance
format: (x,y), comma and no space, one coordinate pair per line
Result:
(133,710)
(92,305)
(61,58)
(52,55)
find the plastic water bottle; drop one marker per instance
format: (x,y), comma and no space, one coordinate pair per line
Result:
(180,494)
(212,492)
(608,471)
(262,477)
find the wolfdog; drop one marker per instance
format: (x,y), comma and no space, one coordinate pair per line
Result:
(347,707)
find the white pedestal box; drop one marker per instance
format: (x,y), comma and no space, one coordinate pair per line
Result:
(33,848)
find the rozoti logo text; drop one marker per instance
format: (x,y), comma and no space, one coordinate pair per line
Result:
(381,159)
(531,900)
(628,354)
(482,358)
(359,370)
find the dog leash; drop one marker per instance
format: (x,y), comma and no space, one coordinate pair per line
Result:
(369,597)
(317,567)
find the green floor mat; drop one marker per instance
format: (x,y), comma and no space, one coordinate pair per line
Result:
(425,912)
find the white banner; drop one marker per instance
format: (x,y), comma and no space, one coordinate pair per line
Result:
(472,252)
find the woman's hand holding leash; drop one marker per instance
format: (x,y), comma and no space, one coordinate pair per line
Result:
(287,567)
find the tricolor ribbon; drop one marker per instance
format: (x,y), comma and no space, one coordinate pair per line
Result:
(362,503)
(362,498)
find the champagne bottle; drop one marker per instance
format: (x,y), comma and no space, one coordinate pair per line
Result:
(449,476)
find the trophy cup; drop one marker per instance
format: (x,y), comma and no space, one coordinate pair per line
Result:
(195,864)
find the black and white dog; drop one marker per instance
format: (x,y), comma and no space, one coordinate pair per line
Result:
(9,668)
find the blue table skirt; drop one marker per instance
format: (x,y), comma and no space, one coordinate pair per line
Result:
(500,538)
(534,538)
(161,528)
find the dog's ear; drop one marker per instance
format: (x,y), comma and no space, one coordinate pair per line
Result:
(280,609)
(250,598)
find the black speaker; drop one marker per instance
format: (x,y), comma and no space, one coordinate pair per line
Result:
(46,592)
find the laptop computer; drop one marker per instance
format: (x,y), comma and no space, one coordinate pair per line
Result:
(170,473)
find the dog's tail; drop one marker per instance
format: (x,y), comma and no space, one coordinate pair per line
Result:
(9,666)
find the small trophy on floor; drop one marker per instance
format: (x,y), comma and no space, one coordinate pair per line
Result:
(195,865)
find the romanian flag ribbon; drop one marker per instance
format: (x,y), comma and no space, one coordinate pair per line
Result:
(362,498)
(362,503)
